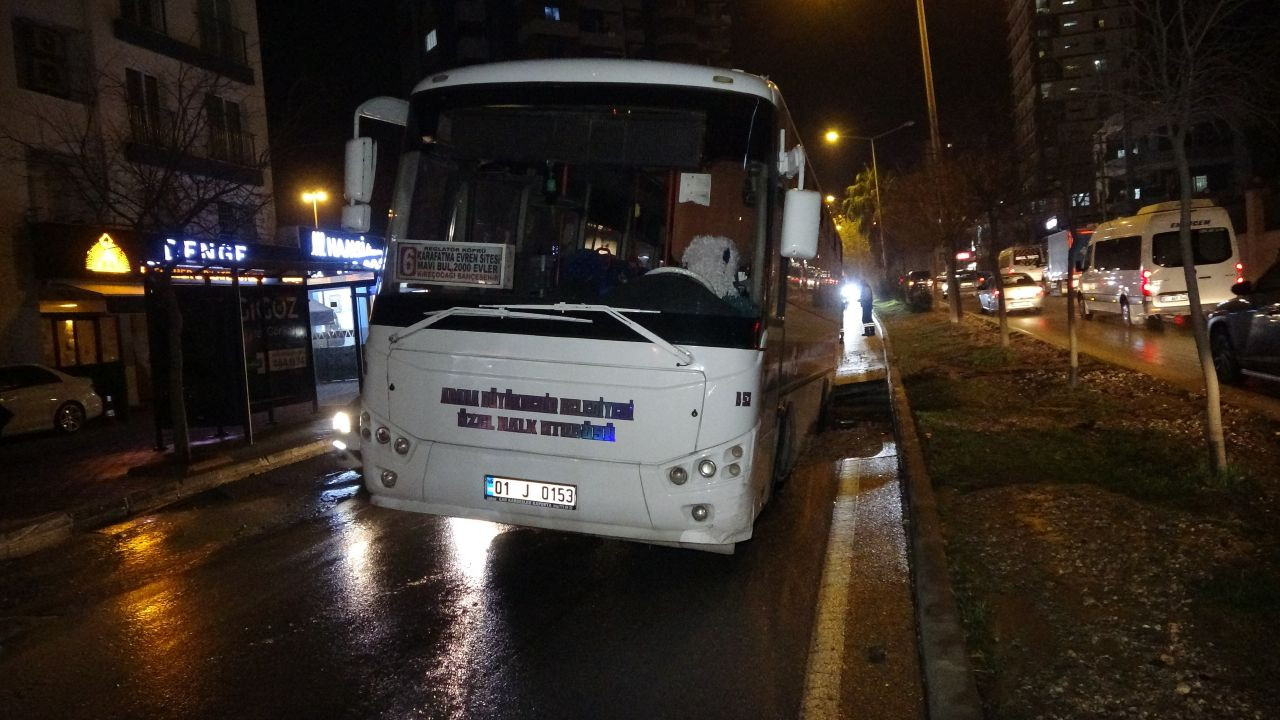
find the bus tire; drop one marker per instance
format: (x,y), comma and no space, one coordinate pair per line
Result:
(784,451)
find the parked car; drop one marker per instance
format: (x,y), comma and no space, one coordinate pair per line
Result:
(1244,333)
(34,398)
(968,280)
(1021,292)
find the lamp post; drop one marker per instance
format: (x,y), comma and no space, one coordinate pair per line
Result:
(833,136)
(935,139)
(315,197)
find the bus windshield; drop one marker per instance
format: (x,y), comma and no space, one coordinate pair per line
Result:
(519,194)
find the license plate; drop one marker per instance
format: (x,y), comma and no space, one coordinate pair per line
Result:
(530,492)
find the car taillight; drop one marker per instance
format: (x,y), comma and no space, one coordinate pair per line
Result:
(1146,283)
(1239,272)
(1039,291)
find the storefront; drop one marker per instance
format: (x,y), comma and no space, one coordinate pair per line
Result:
(92,308)
(263,326)
(340,301)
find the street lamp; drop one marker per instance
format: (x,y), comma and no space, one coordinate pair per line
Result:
(315,197)
(832,135)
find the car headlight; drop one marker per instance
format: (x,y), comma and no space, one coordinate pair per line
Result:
(341,422)
(849,291)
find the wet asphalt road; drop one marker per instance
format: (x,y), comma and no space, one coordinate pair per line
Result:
(288,595)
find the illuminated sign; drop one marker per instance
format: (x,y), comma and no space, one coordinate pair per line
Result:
(456,263)
(203,252)
(106,257)
(964,255)
(356,250)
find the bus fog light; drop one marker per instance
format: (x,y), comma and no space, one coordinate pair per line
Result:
(402,445)
(678,475)
(734,470)
(736,451)
(383,434)
(700,512)
(388,478)
(706,468)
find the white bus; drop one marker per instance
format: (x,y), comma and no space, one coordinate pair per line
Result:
(609,306)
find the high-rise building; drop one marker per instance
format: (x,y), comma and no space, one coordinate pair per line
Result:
(439,34)
(119,118)
(1077,143)
(1065,56)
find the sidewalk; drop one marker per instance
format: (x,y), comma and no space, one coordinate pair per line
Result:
(110,470)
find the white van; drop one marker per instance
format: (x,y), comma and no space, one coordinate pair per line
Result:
(1133,265)
(1026,259)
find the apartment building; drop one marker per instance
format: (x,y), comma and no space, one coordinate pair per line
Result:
(1065,56)
(448,33)
(124,124)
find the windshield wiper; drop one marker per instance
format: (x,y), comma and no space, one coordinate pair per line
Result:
(482,311)
(684,356)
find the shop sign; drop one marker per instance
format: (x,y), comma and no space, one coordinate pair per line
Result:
(455,263)
(105,256)
(356,250)
(203,252)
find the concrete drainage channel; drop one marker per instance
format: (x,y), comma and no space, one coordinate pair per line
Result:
(862,403)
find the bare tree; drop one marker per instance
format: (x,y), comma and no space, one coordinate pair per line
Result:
(173,162)
(995,191)
(1193,65)
(930,209)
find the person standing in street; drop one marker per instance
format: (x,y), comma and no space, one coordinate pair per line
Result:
(868,327)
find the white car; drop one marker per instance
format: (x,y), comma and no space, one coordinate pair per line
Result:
(1021,292)
(35,398)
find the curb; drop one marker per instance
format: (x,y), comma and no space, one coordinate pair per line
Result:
(51,529)
(950,690)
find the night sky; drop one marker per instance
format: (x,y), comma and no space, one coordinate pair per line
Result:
(849,64)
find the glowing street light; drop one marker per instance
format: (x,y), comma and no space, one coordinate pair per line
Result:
(315,197)
(831,199)
(832,136)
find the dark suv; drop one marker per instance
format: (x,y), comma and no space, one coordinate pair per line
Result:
(1244,333)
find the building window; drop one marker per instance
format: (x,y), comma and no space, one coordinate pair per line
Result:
(1044,90)
(1200,183)
(228,141)
(48,60)
(53,193)
(551,12)
(1081,199)
(430,41)
(1070,23)
(236,221)
(1099,22)
(149,122)
(147,14)
(218,33)
(1137,193)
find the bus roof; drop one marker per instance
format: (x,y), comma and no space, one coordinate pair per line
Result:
(642,72)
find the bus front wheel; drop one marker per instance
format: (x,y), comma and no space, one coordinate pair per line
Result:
(784,451)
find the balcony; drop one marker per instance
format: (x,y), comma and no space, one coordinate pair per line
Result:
(222,47)
(156,138)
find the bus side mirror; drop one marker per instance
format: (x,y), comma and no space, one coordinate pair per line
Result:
(361,162)
(801,216)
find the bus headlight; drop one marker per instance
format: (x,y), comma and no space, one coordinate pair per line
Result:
(383,434)
(734,470)
(341,423)
(388,478)
(706,467)
(678,475)
(402,445)
(699,512)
